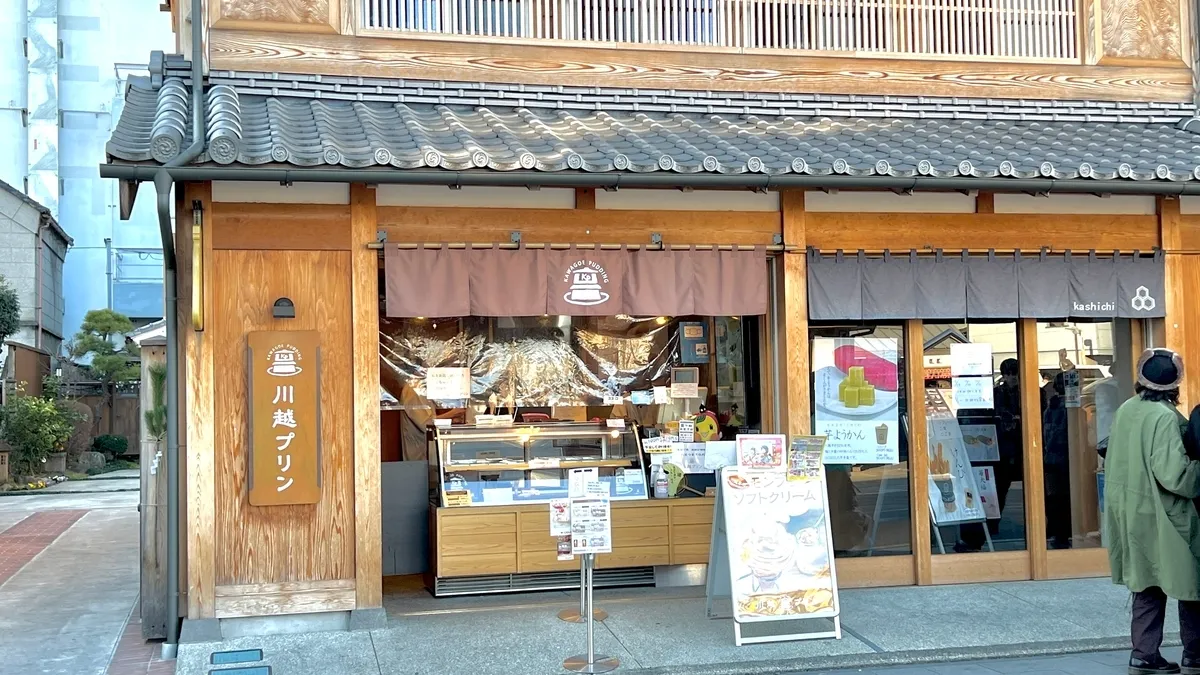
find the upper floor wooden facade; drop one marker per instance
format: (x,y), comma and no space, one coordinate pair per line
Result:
(1045,49)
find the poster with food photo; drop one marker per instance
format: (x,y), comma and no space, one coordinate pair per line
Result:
(780,549)
(856,392)
(954,495)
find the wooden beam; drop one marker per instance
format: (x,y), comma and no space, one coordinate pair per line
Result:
(918,450)
(585,198)
(1031,432)
(368,561)
(434,224)
(985,202)
(656,67)
(201,450)
(290,227)
(289,597)
(981,231)
(793,308)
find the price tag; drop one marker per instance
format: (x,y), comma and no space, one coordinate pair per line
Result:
(615,422)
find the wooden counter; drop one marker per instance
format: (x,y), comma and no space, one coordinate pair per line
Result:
(479,540)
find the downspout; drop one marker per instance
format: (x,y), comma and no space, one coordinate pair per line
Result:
(162,185)
(37,274)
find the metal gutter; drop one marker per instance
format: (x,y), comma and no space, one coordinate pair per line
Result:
(163,180)
(647,180)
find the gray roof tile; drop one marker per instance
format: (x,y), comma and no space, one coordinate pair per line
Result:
(257,118)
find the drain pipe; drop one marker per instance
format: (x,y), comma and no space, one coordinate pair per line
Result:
(162,184)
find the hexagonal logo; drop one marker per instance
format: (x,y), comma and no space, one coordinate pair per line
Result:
(1142,300)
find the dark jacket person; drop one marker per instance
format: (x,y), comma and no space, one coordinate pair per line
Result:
(1153,531)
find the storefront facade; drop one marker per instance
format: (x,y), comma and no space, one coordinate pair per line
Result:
(244,560)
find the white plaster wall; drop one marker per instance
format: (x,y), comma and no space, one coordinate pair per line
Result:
(697,200)
(262,192)
(1132,205)
(888,202)
(1189,205)
(496,197)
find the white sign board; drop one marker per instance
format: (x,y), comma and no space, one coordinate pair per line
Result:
(970,359)
(690,457)
(591,526)
(720,454)
(560,517)
(855,392)
(448,384)
(973,393)
(772,552)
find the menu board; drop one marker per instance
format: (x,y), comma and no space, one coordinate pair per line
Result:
(779,546)
(591,526)
(855,392)
(953,493)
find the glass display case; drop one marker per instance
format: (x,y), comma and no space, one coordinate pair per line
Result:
(530,463)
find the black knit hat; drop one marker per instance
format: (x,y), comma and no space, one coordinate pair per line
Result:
(1160,370)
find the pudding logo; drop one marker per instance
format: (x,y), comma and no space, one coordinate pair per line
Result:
(587,280)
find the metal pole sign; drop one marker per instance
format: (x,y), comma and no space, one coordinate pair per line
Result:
(560,528)
(590,525)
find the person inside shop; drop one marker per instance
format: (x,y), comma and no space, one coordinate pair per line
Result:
(1152,530)
(1056,448)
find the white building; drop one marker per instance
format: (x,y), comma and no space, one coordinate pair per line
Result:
(63,64)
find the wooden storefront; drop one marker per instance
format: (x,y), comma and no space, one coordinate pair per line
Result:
(261,242)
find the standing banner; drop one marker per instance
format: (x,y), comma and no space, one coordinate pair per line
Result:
(855,391)
(771,552)
(954,496)
(284,372)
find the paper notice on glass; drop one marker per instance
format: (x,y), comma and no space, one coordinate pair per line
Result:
(596,488)
(578,479)
(560,517)
(720,454)
(985,476)
(661,396)
(973,393)
(687,431)
(689,457)
(448,384)
(591,526)
(658,444)
(970,359)
(856,395)
(1072,392)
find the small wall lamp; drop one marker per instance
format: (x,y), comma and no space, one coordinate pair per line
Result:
(284,309)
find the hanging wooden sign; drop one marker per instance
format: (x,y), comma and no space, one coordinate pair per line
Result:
(285,417)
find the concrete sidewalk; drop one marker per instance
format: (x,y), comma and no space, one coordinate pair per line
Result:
(665,632)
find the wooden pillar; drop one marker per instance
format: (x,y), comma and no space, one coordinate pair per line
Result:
(918,450)
(1031,431)
(197,355)
(793,315)
(1171,231)
(368,561)
(585,198)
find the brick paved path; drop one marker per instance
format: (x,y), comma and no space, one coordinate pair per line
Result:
(22,542)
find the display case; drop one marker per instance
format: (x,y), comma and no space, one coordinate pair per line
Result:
(530,463)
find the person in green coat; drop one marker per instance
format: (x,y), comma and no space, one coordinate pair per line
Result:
(1151,525)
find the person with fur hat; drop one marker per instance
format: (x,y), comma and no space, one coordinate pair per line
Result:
(1152,529)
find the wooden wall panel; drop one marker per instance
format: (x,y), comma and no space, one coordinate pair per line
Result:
(293,227)
(437,224)
(1001,231)
(198,498)
(319,16)
(258,545)
(365,298)
(1141,31)
(662,69)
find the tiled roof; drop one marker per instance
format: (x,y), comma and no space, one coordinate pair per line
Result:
(314,121)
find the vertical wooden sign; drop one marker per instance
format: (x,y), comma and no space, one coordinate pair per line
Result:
(285,417)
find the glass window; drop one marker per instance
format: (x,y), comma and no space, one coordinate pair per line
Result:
(869,503)
(974,425)
(1086,373)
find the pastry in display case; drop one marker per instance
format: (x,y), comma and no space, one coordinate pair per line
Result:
(530,463)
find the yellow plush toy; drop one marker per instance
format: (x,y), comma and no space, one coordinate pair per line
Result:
(707,428)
